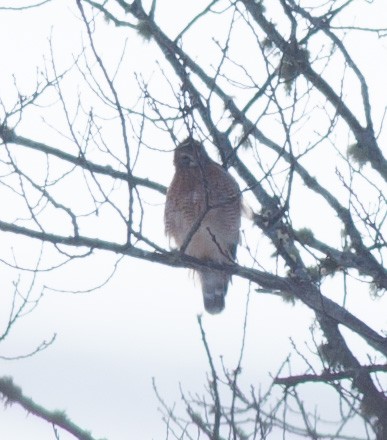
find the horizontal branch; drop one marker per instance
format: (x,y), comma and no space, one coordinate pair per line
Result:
(308,293)
(292,381)
(9,137)
(13,394)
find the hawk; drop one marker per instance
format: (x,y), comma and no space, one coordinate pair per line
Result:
(203,216)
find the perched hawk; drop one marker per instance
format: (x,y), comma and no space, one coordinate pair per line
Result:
(203,216)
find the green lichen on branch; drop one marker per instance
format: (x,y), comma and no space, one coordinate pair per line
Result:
(376,289)
(305,236)
(144,29)
(260,6)
(288,298)
(59,417)
(291,67)
(267,43)
(314,273)
(358,154)
(329,266)
(10,391)
(332,355)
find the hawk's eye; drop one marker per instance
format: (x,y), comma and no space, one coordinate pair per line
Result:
(186,160)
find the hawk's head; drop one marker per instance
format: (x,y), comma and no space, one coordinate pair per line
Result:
(190,154)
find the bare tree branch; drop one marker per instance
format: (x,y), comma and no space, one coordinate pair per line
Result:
(13,394)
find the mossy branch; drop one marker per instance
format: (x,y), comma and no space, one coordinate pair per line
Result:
(12,393)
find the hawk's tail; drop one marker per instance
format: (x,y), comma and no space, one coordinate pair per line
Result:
(214,288)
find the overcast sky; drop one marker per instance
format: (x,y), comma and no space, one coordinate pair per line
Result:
(143,324)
